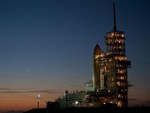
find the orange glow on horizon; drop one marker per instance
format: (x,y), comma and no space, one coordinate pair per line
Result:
(24,101)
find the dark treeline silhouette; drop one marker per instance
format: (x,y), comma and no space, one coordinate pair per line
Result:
(142,109)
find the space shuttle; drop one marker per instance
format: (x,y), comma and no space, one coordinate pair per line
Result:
(99,77)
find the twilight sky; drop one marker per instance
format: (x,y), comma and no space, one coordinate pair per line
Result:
(46,47)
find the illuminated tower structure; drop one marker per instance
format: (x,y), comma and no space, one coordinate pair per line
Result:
(117,64)
(110,80)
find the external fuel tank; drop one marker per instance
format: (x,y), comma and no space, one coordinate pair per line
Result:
(96,77)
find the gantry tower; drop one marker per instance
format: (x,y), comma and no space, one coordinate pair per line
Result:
(117,64)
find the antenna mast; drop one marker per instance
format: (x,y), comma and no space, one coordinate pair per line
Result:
(114,12)
(38,100)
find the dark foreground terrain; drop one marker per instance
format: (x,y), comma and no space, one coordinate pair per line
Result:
(92,110)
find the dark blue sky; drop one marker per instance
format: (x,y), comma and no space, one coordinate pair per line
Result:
(48,44)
